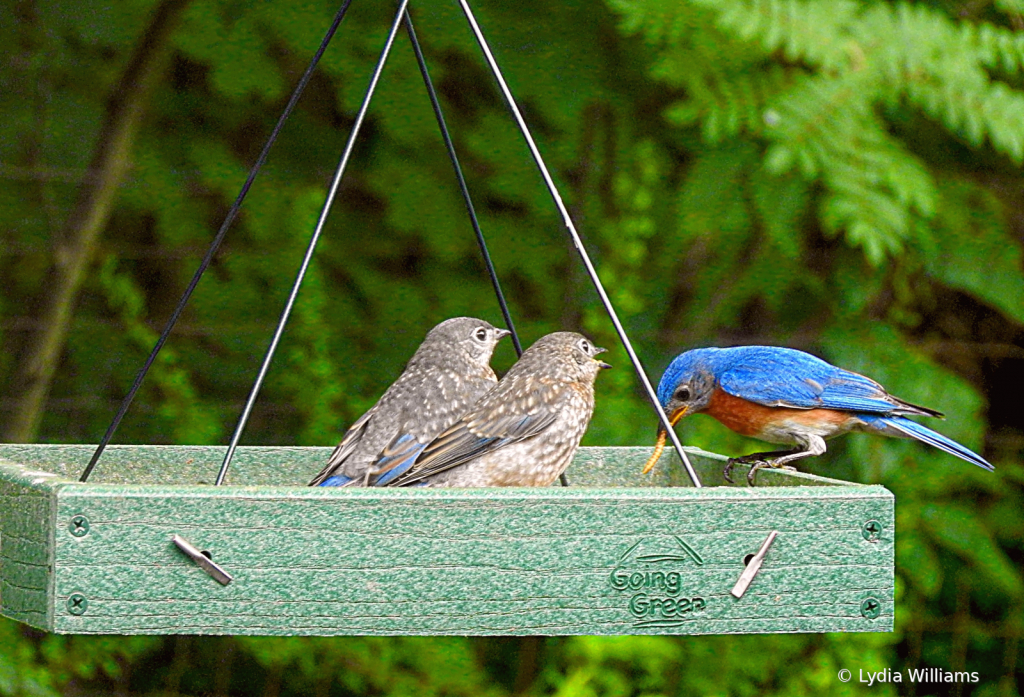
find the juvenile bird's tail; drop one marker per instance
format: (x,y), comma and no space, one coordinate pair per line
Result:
(905,428)
(337,480)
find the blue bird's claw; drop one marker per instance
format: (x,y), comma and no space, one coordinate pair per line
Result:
(763,464)
(727,472)
(733,461)
(757,461)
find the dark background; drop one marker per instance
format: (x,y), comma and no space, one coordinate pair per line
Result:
(835,176)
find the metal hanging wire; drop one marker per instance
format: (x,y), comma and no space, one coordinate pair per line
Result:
(236,206)
(215,245)
(577,242)
(470,209)
(328,202)
(402,14)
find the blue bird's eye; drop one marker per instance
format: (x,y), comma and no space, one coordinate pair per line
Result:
(682,393)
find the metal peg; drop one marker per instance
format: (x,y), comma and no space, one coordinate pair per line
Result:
(205,563)
(752,568)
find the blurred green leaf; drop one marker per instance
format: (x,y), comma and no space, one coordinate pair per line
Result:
(836,176)
(963,532)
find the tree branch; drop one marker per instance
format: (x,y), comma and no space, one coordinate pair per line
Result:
(78,240)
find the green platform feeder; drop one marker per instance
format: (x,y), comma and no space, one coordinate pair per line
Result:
(616,553)
(150,546)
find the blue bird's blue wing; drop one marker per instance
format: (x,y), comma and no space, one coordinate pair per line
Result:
(905,428)
(779,377)
(525,412)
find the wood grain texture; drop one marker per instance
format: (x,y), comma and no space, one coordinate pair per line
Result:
(313,561)
(27,512)
(259,465)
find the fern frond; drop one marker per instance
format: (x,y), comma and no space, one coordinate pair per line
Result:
(814,33)
(997,48)
(727,108)
(810,79)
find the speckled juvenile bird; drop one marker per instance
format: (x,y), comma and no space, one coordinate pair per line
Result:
(448,373)
(523,432)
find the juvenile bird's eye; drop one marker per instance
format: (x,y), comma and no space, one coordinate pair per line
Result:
(585,345)
(683,393)
(481,334)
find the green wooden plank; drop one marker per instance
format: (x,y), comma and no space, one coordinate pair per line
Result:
(650,555)
(505,561)
(183,464)
(27,510)
(318,552)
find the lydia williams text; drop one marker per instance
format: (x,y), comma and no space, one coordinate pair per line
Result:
(917,675)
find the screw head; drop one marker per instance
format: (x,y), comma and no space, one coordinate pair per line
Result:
(871,608)
(79,526)
(872,530)
(77,604)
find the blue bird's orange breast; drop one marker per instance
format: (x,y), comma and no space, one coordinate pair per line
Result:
(775,424)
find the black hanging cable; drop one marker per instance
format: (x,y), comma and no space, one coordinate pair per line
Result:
(462,181)
(215,245)
(577,242)
(470,209)
(328,202)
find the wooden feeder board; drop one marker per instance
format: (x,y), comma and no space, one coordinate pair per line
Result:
(616,553)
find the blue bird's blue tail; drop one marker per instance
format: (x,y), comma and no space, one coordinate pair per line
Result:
(901,427)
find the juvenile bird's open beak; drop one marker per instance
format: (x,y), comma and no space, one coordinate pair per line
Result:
(659,446)
(598,349)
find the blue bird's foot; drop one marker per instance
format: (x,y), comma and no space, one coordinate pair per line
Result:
(727,472)
(757,461)
(766,464)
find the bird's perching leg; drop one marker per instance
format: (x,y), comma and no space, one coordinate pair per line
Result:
(814,446)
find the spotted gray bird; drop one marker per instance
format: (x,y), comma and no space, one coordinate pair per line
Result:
(448,373)
(523,432)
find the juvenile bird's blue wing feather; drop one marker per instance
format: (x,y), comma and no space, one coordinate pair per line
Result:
(492,425)
(341,453)
(898,426)
(779,377)
(396,459)
(336,480)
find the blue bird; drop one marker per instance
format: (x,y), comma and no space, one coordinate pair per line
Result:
(782,395)
(523,432)
(448,373)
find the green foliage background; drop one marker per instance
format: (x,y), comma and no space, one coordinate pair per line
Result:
(833,175)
